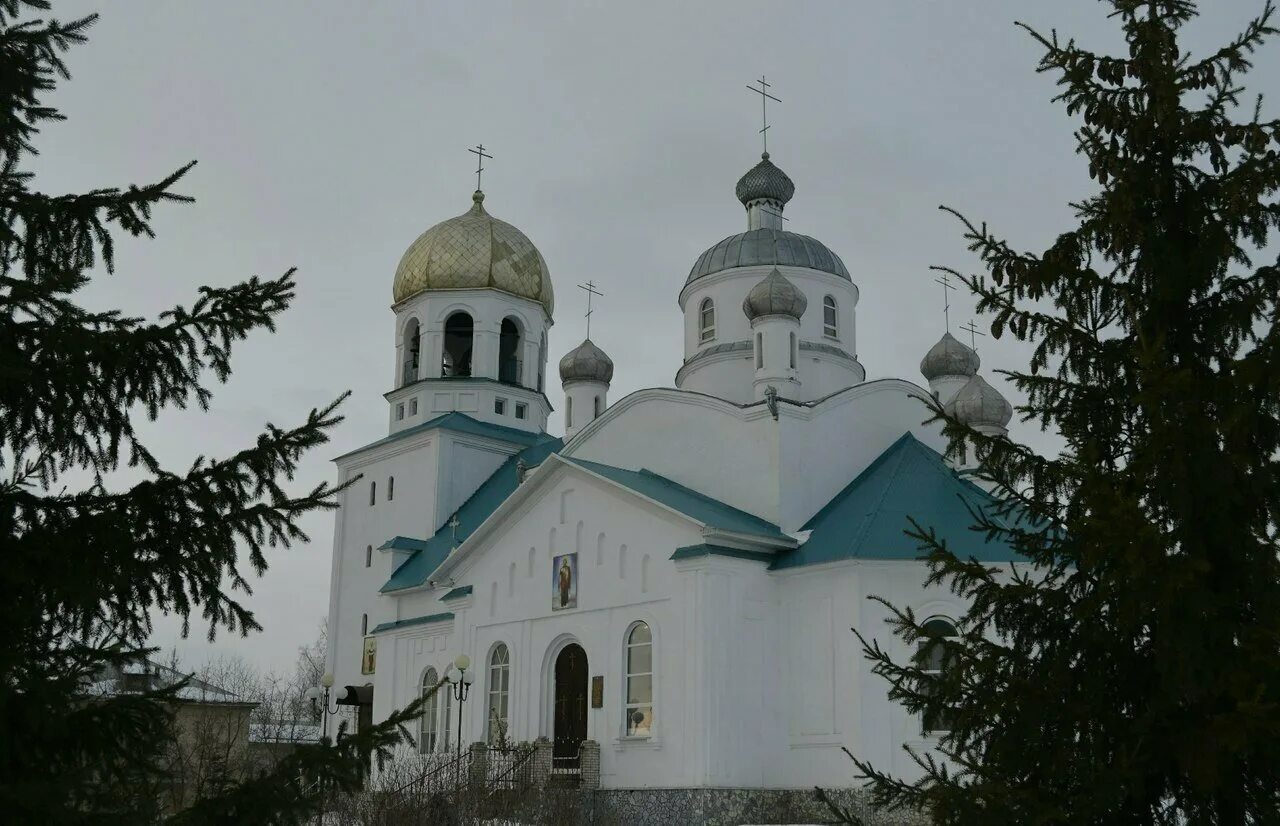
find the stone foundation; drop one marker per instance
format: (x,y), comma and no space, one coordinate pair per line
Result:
(730,807)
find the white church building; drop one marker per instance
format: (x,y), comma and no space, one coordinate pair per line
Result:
(675,578)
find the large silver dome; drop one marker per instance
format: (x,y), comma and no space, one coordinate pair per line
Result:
(949,357)
(764,181)
(770,248)
(586,362)
(774,295)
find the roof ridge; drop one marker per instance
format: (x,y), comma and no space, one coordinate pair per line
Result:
(866,471)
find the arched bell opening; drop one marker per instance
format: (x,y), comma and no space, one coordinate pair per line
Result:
(509,344)
(411,349)
(459,331)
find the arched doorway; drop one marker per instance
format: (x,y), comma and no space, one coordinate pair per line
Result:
(570,710)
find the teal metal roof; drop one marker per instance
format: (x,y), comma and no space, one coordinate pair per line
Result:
(403,543)
(458,423)
(695,551)
(492,492)
(457,593)
(387,626)
(696,506)
(868,518)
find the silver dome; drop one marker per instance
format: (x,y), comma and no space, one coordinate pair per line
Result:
(764,181)
(979,404)
(949,358)
(586,362)
(769,248)
(774,295)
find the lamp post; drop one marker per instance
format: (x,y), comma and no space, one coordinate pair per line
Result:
(321,694)
(460,680)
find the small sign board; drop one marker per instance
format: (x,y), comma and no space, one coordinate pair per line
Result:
(597,692)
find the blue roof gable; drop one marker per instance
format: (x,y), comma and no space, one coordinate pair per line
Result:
(492,492)
(868,518)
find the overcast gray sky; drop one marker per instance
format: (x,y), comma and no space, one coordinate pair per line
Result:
(330,134)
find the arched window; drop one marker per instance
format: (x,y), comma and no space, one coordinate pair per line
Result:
(499,693)
(830,325)
(373,493)
(368,556)
(431,708)
(446,718)
(595,408)
(391,488)
(568,411)
(412,346)
(456,361)
(509,362)
(934,647)
(364,625)
(759,350)
(793,351)
(707,320)
(639,681)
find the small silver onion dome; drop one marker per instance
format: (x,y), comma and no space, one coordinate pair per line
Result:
(774,295)
(764,181)
(979,404)
(949,358)
(586,362)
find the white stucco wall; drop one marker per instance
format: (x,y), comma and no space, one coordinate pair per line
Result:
(759,681)
(434,473)
(625,575)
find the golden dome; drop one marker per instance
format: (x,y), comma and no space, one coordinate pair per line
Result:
(474,251)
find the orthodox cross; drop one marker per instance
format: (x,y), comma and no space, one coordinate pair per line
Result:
(945,281)
(765,97)
(480,156)
(454,523)
(591,293)
(973,331)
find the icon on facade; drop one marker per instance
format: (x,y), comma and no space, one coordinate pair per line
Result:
(564,582)
(369,657)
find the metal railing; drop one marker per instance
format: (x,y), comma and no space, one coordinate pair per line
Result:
(568,765)
(445,777)
(509,768)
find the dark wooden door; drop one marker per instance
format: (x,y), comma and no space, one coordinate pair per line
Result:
(571,705)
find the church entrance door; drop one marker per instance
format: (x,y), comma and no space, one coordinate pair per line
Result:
(570,706)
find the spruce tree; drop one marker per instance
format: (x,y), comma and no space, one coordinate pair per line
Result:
(1129,671)
(86,565)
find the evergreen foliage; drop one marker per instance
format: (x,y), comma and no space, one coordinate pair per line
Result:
(83,568)
(1131,673)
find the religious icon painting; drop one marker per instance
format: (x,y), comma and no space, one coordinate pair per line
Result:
(369,656)
(564,582)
